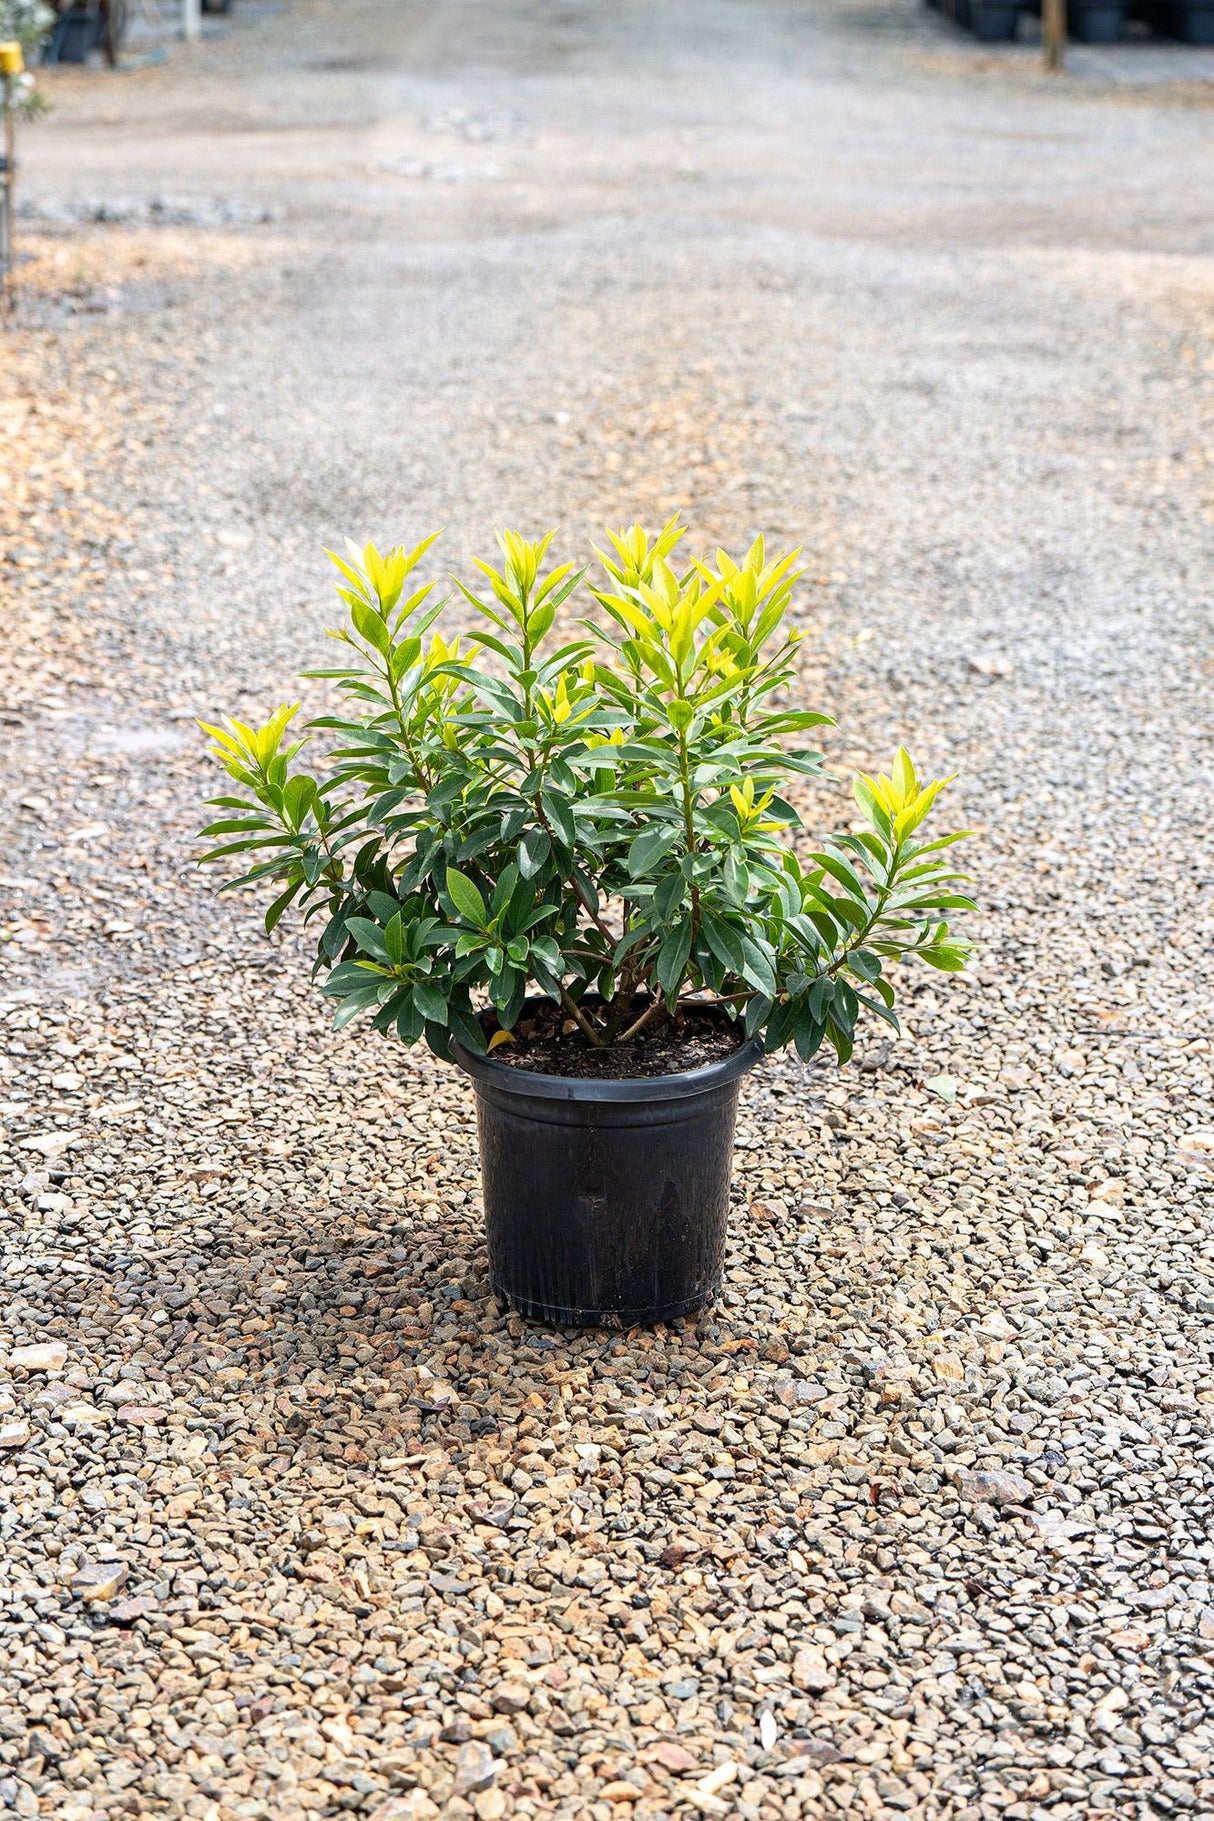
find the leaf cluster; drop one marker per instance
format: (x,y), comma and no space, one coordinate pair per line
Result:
(586,799)
(29,24)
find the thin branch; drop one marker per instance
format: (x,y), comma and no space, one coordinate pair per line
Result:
(647,1016)
(575,1012)
(603,928)
(583,900)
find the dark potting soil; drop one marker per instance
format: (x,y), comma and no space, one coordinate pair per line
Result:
(692,1039)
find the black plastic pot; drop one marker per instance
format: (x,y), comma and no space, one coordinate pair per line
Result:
(76,34)
(994,21)
(1096,21)
(606,1201)
(1193,21)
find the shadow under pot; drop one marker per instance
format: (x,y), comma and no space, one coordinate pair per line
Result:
(606,1201)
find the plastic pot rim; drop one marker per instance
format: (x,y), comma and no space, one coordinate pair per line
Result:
(682,1084)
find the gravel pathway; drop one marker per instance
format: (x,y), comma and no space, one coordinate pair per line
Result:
(918,1519)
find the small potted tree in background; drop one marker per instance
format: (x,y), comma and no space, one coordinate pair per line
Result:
(564,856)
(27,24)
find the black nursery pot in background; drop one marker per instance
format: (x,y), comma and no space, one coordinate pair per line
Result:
(1096,21)
(1193,21)
(995,21)
(606,1201)
(74,37)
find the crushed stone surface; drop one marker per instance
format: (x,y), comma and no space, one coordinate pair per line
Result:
(918,1519)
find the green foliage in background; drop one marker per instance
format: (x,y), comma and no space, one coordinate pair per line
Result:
(29,24)
(590,808)
(27,21)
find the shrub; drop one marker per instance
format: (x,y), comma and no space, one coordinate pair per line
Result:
(27,23)
(591,808)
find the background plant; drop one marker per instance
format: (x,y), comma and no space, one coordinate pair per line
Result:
(593,809)
(28,23)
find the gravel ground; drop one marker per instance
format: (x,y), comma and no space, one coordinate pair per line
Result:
(918,1519)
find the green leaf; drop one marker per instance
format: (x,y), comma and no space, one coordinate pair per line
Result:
(281,902)
(370,625)
(650,846)
(863,962)
(758,1010)
(948,957)
(237,825)
(533,851)
(409,1023)
(668,895)
(737,877)
(333,937)
(503,891)
(439,1041)
(392,1000)
(464,1026)
(879,1010)
(429,1002)
(672,958)
(845,1007)
(354,1003)
(466,897)
(298,797)
(758,970)
(383,906)
(560,817)
(808,1034)
(845,874)
(539,623)
(820,997)
(846,910)
(369,937)
(780,1026)
(724,941)
(841,1041)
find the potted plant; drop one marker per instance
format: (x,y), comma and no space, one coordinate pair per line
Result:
(564,856)
(26,23)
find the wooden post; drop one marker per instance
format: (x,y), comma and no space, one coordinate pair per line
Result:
(8,178)
(12,64)
(191,18)
(1053,32)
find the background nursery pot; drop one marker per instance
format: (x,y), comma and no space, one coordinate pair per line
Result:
(606,1201)
(1096,21)
(995,21)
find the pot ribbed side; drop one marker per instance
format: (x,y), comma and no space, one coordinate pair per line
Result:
(601,1210)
